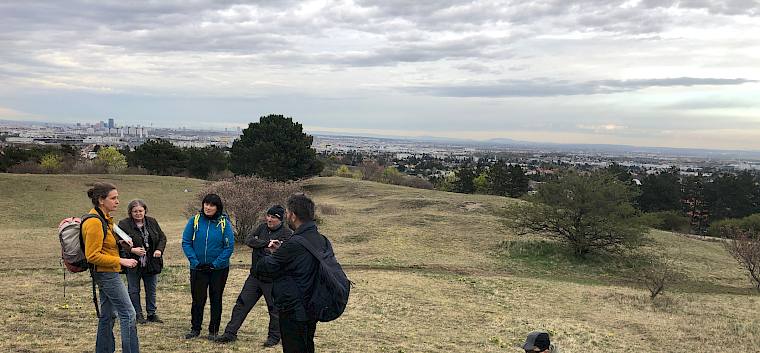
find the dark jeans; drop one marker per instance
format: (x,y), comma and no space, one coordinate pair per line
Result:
(297,336)
(252,291)
(211,283)
(114,302)
(133,285)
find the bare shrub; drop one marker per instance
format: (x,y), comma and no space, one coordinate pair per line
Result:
(245,200)
(328,210)
(371,170)
(88,167)
(656,276)
(28,167)
(416,182)
(216,175)
(136,171)
(744,246)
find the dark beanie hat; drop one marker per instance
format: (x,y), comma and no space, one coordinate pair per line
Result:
(277,211)
(537,339)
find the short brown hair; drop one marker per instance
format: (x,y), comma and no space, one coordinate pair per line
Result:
(302,206)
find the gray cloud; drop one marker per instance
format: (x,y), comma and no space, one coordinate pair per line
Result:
(712,103)
(549,88)
(85,58)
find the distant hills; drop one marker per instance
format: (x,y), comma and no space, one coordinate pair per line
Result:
(563,147)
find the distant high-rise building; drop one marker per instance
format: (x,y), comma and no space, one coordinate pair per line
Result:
(110,123)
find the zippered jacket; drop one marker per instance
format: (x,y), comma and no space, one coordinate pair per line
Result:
(208,244)
(259,239)
(293,271)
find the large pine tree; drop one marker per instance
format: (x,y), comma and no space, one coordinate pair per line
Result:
(275,148)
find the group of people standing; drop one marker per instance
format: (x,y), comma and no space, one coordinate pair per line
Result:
(281,271)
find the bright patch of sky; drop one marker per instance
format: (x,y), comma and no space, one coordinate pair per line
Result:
(643,72)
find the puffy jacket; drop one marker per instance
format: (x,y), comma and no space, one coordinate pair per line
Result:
(293,271)
(207,244)
(259,239)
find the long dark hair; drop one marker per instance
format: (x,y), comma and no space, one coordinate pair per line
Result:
(213,199)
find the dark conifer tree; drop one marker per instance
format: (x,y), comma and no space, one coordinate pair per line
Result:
(275,148)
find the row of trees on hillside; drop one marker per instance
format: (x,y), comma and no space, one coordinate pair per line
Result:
(275,148)
(499,178)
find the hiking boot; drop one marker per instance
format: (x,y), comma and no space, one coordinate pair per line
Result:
(226,338)
(212,336)
(271,342)
(192,334)
(141,320)
(155,318)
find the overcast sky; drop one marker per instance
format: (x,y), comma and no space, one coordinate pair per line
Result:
(651,73)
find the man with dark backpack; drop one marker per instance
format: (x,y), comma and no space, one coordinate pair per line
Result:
(308,283)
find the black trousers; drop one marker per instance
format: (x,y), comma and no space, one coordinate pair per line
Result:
(252,291)
(297,336)
(201,284)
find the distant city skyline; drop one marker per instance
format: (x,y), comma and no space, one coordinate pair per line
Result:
(628,72)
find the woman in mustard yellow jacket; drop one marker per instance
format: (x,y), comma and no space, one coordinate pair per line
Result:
(102,252)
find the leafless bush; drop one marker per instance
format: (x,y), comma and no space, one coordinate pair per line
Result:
(220,175)
(744,246)
(328,210)
(371,170)
(416,182)
(657,275)
(27,167)
(245,200)
(88,167)
(136,171)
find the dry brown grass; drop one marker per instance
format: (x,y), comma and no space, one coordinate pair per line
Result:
(429,278)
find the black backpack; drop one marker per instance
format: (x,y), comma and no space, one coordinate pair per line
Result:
(330,293)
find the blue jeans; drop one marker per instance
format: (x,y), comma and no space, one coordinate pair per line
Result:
(133,283)
(114,301)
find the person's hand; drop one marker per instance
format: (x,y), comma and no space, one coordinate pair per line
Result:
(129,263)
(274,245)
(138,251)
(126,245)
(157,253)
(204,267)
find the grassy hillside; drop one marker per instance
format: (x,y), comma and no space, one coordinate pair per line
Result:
(435,272)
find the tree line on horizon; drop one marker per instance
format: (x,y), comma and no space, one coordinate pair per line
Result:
(274,148)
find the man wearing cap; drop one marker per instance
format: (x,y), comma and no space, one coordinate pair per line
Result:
(272,231)
(538,342)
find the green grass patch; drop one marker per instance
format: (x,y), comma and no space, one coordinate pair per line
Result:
(552,258)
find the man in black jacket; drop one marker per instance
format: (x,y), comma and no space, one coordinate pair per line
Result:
(293,271)
(272,231)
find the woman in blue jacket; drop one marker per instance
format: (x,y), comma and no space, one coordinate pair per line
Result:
(208,242)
